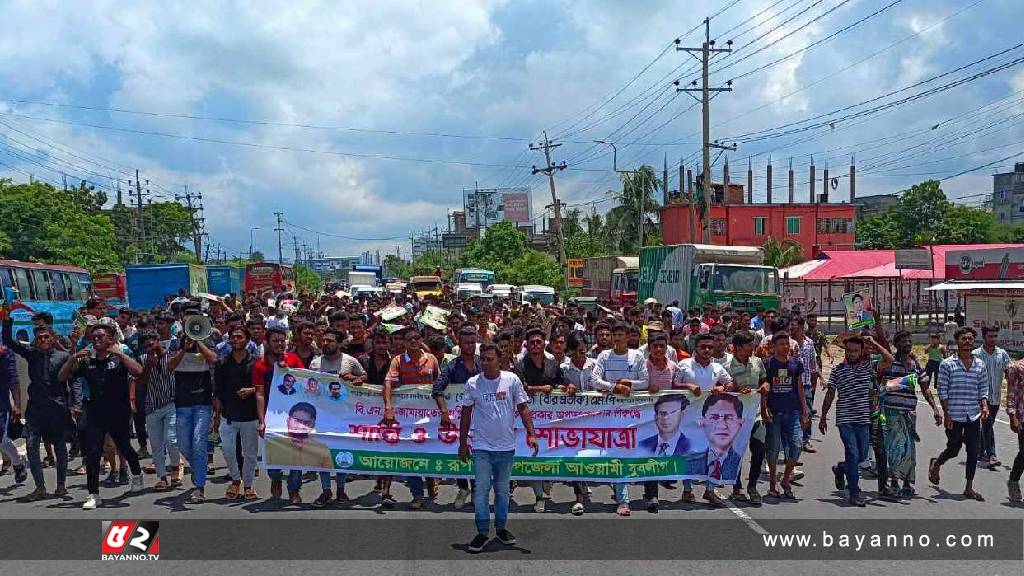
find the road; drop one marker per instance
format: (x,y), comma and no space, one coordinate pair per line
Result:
(429,540)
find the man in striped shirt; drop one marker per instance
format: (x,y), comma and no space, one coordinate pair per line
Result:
(853,380)
(159,408)
(963,391)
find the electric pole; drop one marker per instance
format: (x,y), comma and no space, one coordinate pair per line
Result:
(280,250)
(138,210)
(705,51)
(197,223)
(550,169)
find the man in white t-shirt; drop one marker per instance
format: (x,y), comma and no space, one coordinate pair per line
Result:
(489,406)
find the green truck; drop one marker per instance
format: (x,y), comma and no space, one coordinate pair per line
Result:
(695,274)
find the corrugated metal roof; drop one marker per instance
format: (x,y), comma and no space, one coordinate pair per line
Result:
(967,285)
(839,264)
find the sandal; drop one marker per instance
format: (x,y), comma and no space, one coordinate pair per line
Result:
(232,492)
(688,497)
(933,471)
(974,495)
(623,510)
(739,497)
(161,485)
(250,495)
(773,493)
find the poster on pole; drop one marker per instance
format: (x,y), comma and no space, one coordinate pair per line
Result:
(859,309)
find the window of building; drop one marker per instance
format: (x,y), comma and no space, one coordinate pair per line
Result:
(718,226)
(792,224)
(760,222)
(835,226)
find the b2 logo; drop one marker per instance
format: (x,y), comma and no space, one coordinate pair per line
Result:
(130,540)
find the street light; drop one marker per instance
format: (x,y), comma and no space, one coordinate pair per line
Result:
(251,230)
(643,191)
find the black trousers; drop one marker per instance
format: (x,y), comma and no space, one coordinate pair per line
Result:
(963,433)
(139,420)
(756,462)
(1018,462)
(97,425)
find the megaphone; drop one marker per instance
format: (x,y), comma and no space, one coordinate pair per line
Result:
(198,327)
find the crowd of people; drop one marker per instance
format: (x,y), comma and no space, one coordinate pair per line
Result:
(129,375)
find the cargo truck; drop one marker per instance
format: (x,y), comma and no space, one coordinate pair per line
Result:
(611,278)
(695,274)
(149,284)
(223,279)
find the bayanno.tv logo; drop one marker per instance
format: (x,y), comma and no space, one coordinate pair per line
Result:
(130,540)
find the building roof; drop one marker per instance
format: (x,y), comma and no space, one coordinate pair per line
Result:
(842,264)
(983,285)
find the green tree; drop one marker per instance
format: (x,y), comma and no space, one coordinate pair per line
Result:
(426,264)
(782,254)
(962,225)
(43,223)
(168,231)
(622,222)
(880,232)
(501,244)
(306,280)
(533,267)
(257,256)
(395,266)
(583,236)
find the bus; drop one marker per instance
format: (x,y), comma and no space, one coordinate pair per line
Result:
(473,276)
(58,289)
(269,277)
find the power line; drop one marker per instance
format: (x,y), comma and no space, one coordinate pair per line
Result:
(343,237)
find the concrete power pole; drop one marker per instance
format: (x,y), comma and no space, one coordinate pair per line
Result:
(705,51)
(550,169)
(197,232)
(138,211)
(279,229)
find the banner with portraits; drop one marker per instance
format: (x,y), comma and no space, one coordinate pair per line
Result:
(316,421)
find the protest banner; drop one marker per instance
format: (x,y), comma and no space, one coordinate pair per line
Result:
(390,313)
(316,422)
(859,309)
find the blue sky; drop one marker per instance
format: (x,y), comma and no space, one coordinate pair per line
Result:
(507,70)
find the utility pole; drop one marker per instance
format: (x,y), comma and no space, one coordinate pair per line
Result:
(295,243)
(705,51)
(279,229)
(197,223)
(138,209)
(550,169)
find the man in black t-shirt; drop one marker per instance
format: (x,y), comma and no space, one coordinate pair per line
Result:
(110,402)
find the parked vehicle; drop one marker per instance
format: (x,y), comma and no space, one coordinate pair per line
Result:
(467,290)
(588,303)
(695,274)
(363,289)
(112,288)
(612,278)
(149,285)
(424,286)
(361,278)
(263,277)
(223,279)
(531,292)
(473,276)
(57,289)
(503,291)
(395,287)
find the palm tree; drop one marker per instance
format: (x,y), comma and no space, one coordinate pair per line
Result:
(782,254)
(622,222)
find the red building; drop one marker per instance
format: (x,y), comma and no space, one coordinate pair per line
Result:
(816,227)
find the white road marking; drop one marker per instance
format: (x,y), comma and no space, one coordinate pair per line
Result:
(750,522)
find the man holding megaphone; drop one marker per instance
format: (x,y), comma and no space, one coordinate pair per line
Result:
(192,356)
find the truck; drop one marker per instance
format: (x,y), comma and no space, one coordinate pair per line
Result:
(110,287)
(611,278)
(149,284)
(359,278)
(376,269)
(697,274)
(222,279)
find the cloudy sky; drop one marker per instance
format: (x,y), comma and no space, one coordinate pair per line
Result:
(365,120)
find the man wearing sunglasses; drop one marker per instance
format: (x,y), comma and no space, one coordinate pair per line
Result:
(541,374)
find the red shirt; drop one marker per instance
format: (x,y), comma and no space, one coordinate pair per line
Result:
(263,372)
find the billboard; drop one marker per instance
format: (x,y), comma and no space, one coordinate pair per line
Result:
(487,206)
(986,264)
(1002,310)
(914,259)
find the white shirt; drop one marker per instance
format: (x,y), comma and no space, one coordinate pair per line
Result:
(581,377)
(494,405)
(275,322)
(610,367)
(995,366)
(689,371)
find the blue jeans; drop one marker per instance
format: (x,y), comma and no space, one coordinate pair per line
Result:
(161,424)
(492,469)
(294,478)
(193,426)
(809,395)
(339,477)
(856,441)
(784,434)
